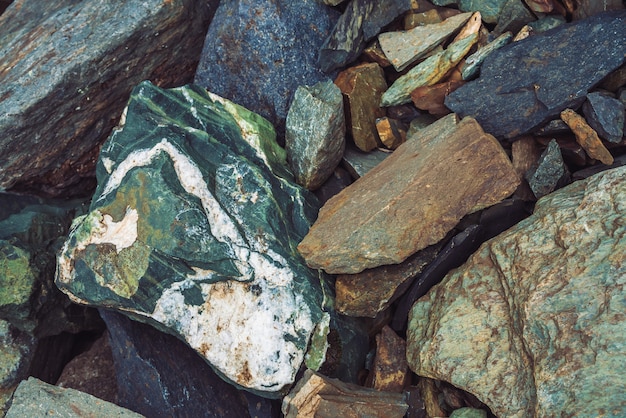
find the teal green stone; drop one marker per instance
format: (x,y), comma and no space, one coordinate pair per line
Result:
(489,9)
(193,228)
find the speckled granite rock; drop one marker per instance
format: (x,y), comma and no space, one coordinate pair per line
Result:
(194,228)
(533,324)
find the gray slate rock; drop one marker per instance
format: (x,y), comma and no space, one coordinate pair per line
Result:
(549,173)
(34,398)
(605,115)
(256,53)
(525,84)
(315,137)
(66,70)
(158,375)
(489,9)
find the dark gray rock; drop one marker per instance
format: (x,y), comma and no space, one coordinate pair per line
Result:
(550,173)
(257,53)
(605,115)
(158,375)
(513,16)
(489,9)
(66,70)
(527,83)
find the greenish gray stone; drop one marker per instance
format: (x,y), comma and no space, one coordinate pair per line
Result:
(489,9)
(605,114)
(547,22)
(471,67)
(468,413)
(34,398)
(428,72)
(193,228)
(16,356)
(533,323)
(513,17)
(315,137)
(549,173)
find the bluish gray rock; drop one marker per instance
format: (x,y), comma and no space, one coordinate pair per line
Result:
(257,53)
(527,83)
(605,115)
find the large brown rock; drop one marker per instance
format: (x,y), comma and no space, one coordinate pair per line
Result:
(533,324)
(411,199)
(66,71)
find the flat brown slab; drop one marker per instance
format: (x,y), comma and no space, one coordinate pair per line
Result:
(411,199)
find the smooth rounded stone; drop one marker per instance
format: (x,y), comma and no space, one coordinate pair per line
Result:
(67,68)
(406,203)
(258,53)
(533,322)
(315,136)
(605,115)
(193,228)
(34,398)
(528,83)
(549,173)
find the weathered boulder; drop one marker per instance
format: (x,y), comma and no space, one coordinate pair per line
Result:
(411,199)
(34,398)
(256,53)
(315,137)
(533,324)
(66,70)
(527,83)
(193,228)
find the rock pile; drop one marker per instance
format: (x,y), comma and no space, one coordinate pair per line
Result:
(409,210)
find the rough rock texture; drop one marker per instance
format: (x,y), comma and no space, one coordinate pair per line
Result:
(533,324)
(257,53)
(605,115)
(16,355)
(34,398)
(159,376)
(362,87)
(587,137)
(526,83)
(411,199)
(404,48)
(66,69)
(193,228)
(489,9)
(549,173)
(315,137)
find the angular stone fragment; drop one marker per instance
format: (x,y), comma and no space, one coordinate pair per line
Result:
(605,115)
(16,357)
(66,69)
(586,136)
(405,48)
(384,14)
(372,291)
(391,132)
(148,365)
(363,87)
(257,53)
(390,370)
(411,199)
(534,322)
(193,228)
(549,173)
(34,398)
(428,72)
(471,66)
(514,17)
(358,162)
(525,84)
(489,9)
(586,8)
(318,396)
(524,154)
(315,135)
(431,98)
